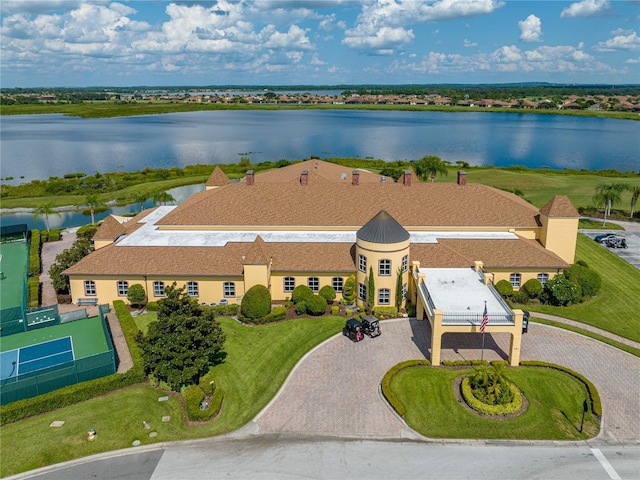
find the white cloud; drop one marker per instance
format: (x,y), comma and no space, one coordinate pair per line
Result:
(621,40)
(469,43)
(530,29)
(586,8)
(382,40)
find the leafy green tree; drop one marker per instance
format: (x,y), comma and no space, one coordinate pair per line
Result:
(371,291)
(136,294)
(245,163)
(183,344)
(430,166)
(608,195)
(163,198)
(256,302)
(140,198)
(65,259)
(44,211)
(349,290)
(635,193)
(328,293)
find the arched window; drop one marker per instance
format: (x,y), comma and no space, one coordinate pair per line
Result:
(362,263)
(405,263)
(123,288)
(229,289)
(514,278)
(90,288)
(313,283)
(337,283)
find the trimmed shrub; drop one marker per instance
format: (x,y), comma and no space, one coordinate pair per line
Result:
(277,314)
(335,310)
(193,397)
(349,290)
(54,236)
(533,287)
(225,310)
(316,305)
(387,312)
(520,297)
(301,294)
(34,253)
(386,383)
(256,302)
(301,307)
(348,312)
(588,280)
(463,363)
(152,306)
(87,231)
(504,288)
(136,294)
(328,293)
(33,288)
(560,291)
(582,263)
(486,409)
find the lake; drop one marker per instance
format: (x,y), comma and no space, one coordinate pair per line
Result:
(41,146)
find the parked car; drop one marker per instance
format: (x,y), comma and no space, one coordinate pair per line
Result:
(371,326)
(601,238)
(354,330)
(616,241)
(525,321)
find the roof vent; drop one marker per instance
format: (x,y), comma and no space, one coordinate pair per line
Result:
(343,176)
(383,179)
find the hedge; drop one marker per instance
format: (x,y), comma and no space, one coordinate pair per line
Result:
(194,395)
(386,312)
(33,287)
(80,392)
(594,396)
(483,408)
(386,383)
(463,363)
(34,253)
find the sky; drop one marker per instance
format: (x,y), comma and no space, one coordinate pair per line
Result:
(77,43)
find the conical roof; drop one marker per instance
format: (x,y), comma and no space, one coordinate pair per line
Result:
(560,206)
(217,178)
(383,228)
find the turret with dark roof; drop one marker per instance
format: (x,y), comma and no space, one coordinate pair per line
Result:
(383,228)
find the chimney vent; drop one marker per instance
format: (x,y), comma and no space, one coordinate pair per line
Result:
(355,178)
(304,177)
(406,178)
(462,177)
(250,178)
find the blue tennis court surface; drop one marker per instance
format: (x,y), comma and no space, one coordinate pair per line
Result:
(35,357)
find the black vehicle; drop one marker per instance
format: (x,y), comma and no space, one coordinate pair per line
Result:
(371,326)
(615,241)
(525,321)
(354,330)
(603,237)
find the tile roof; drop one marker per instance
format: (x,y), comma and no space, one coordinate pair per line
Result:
(109,229)
(289,203)
(217,178)
(258,253)
(327,170)
(560,206)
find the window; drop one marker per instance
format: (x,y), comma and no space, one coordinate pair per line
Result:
(404,291)
(384,267)
(337,284)
(289,284)
(384,296)
(229,289)
(158,289)
(362,263)
(514,278)
(362,292)
(123,288)
(89,288)
(192,289)
(405,263)
(543,278)
(313,283)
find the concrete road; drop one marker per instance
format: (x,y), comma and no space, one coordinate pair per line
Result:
(282,458)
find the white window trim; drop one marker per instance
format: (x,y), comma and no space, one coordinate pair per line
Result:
(125,289)
(284,284)
(156,284)
(90,286)
(226,289)
(384,301)
(387,267)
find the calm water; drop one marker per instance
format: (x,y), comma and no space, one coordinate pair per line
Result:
(40,146)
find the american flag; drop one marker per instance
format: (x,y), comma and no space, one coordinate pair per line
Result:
(485,319)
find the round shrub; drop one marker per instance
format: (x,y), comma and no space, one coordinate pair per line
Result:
(520,297)
(504,288)
(301,307)
(301,293)
(588,280)
(349,290)
(533,287)
(316,305)
(583,263)
(560,291)
(481,407)
(328,293)
(136,294)
(256,302)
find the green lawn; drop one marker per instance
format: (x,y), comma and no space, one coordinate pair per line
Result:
(554,413)
(617,306)
(258,361)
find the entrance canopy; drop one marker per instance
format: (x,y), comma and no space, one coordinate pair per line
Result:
(461,295)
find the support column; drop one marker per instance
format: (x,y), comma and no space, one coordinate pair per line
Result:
(516,339)
(436,337)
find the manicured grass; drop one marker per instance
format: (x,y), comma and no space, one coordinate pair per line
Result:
(143,321)
(554,413)
(616,307)
(588,224)
(257,363)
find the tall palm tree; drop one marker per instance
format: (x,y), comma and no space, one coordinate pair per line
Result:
(635,193)
(44,211)
(140,198)
(430,166)
(608,194)
(163,198)
(93,203)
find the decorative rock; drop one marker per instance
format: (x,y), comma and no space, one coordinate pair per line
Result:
(166,418)
(163,399)
(57,423)
(153,434)
(136,443)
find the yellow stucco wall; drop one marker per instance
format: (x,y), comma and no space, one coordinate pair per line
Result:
(560,235)
(324,278)
(504,274)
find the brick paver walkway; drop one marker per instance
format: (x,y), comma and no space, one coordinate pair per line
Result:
(335,390)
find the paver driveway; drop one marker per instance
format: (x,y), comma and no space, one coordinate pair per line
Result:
(334,391)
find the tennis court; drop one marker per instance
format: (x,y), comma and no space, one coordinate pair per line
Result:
(13,272)
(36,357)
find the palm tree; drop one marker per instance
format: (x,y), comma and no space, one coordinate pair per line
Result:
(140,198)
(93,203)
(608,195)
(44,211)
(163,198)
(635,193)
(430,166)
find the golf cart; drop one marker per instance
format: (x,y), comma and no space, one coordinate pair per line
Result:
(353,329)
(615,241)
(371,326)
